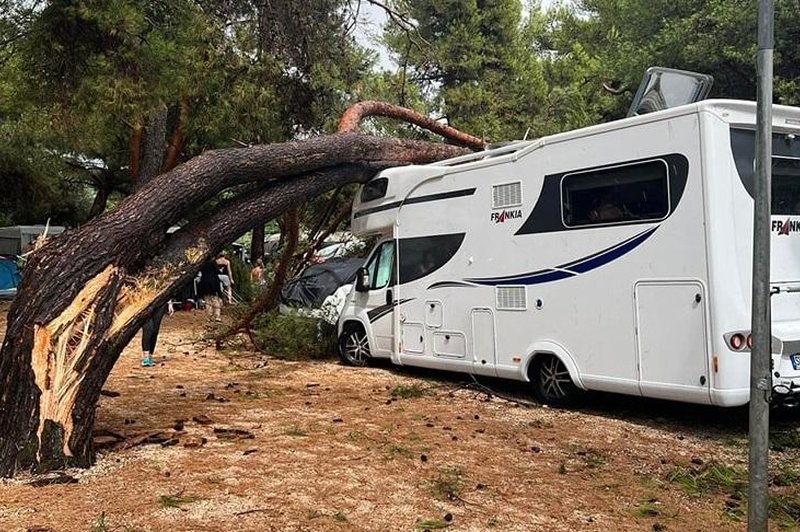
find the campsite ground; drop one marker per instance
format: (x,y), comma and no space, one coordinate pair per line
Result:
(325,447)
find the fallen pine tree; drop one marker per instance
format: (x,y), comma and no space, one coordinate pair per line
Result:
(86,293)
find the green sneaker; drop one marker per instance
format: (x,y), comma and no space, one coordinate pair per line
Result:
(148,362)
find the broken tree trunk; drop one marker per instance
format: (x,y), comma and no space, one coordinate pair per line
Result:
(86,292)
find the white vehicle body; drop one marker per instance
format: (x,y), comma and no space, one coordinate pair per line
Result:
(524,263)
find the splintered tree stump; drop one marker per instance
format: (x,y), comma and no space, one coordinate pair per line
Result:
(86,292)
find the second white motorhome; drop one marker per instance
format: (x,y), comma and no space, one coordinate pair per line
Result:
(615,258)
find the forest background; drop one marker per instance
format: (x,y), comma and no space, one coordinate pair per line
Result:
(99,96)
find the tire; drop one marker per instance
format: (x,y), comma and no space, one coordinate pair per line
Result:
(552,384)
(354,346)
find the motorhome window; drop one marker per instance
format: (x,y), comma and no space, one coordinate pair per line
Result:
(632,193)
(785,168)
(785,186)
(380,266)
(421,256)
(375,189)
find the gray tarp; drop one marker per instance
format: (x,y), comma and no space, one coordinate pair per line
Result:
(319,281)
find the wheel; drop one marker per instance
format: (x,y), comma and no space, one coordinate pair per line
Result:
(552,384)
(354,346)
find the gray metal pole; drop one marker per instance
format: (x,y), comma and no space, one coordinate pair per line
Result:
(760,358)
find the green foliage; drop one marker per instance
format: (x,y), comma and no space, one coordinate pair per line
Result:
(592,42)
(470,58)
(786,476)
(647,508)
(784,439)
(711,478)
(432,524)
(78,78)
(243,286)
(295,337)
(175,501)
(413,391)
(448,484)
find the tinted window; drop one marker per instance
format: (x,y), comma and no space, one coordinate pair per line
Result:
(374,189)
(785,168)
(422,256)
(636,192)
(785,186)
(380,266)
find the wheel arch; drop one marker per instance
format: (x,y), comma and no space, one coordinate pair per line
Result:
(539,349)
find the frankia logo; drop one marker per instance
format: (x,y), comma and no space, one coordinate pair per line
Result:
(784,227)
(502,216)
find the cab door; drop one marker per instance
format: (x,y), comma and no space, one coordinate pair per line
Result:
(379,300)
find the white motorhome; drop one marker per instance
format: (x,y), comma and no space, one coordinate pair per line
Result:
(615,258)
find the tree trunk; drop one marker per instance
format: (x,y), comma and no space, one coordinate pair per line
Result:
(153,140)
(100,200)
(257,243)
(86,292)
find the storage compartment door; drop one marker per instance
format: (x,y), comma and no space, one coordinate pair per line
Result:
(484,356)
(672,342)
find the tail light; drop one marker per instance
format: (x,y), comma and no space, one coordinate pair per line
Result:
(737,341)
(749,341)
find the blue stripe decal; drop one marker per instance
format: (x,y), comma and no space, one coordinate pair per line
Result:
(571,269)
(590,263)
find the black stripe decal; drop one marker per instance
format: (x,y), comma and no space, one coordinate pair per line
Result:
(383,310)
(418,199)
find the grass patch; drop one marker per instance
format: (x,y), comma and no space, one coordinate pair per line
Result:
(711,478)
(785,509)
(562,468)
(339,517)
(448,484)
(591,458)
(99,524)
(432,524)
(396,451)
(175,501)
(296,432)
(784,440)
(647,508)
(786,475)
(414,391)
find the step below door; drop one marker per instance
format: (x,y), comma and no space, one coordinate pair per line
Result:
(672,340)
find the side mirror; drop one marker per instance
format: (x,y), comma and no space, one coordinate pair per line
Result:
(362,280)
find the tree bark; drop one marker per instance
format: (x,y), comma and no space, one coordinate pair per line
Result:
(86,292)
(153,140)
(257,243)
(100,200)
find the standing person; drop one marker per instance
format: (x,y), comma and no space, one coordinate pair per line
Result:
(210,290)
(225,275)
(150,333)
(257,273)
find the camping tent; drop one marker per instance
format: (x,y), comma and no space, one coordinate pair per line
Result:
(9,278)
(319,281)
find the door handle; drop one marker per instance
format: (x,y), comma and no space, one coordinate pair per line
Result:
(389,298)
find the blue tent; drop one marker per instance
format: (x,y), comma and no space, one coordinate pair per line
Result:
(9,274)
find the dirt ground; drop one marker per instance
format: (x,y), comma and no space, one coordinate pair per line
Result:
(326,447)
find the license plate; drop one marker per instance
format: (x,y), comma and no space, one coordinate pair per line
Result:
(795,360)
